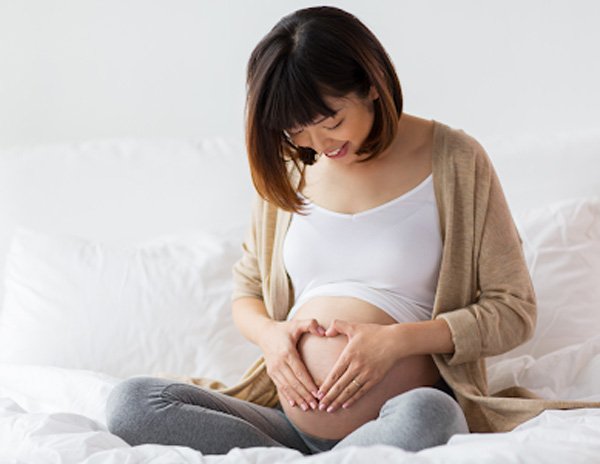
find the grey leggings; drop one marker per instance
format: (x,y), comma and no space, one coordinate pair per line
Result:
(154,410)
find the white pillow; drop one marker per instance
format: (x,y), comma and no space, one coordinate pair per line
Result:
(163,305)
(539,169)
(561,243)
(123,190)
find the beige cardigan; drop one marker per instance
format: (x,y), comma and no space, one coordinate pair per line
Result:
(484,290)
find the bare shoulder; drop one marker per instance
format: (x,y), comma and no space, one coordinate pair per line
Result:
(413,148)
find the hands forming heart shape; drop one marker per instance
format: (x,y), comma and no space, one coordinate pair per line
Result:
(364,361)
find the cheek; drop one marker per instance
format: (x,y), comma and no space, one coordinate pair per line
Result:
(301,140)
(359,129)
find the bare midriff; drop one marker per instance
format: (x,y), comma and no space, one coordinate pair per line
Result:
(320,354)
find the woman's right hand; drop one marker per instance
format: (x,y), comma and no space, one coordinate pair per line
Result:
(279,345)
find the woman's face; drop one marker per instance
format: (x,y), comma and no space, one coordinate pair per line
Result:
(340,136)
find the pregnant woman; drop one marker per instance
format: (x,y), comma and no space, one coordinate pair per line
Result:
(380,268)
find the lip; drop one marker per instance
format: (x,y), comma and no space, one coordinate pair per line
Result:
(340,152)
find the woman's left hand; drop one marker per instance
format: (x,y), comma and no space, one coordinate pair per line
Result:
(369,355)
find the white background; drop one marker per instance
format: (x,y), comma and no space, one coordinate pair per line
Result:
(72,70)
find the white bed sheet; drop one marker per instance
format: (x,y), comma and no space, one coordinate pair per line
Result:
(54,415)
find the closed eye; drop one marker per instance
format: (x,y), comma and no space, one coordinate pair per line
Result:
(336,126)
(292,133)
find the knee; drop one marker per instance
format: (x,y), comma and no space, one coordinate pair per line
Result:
(127,406)
(432,410)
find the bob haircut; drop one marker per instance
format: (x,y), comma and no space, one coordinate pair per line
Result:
(311,54)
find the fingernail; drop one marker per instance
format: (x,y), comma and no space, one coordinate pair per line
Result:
(345,405)
(315,394)
(330,409)
(322,407)
(321,330)
(313,405)
(304,407)
(321,396)
(292,404)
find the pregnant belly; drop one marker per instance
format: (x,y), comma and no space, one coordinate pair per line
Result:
(319,354)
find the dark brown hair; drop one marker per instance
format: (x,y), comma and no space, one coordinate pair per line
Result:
(311,54)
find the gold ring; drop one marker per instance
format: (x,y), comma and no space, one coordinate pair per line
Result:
(355,382)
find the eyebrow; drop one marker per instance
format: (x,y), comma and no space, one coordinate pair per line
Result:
(324,118)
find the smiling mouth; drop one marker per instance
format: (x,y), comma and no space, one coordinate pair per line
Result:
(338,152)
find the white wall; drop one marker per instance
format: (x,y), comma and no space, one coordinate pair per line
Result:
(78,69)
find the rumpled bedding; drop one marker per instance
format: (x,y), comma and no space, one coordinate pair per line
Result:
(56,415)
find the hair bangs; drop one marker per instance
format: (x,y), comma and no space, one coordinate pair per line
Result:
(295,99)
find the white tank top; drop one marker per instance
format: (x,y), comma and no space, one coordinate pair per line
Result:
(388,256)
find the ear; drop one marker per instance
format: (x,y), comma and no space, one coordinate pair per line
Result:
(373,93)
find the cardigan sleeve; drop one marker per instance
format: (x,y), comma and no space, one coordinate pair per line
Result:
(246,272)
(501,312)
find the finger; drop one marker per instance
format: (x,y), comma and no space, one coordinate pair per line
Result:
(286,389)
(302,326)
(339,393)
(298,377)
(303,376)
(314,328)
(359,394)
(351,394)
(289,383)
(350,390)
(331,386)
(296,390)
(338,327)
(282,390)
